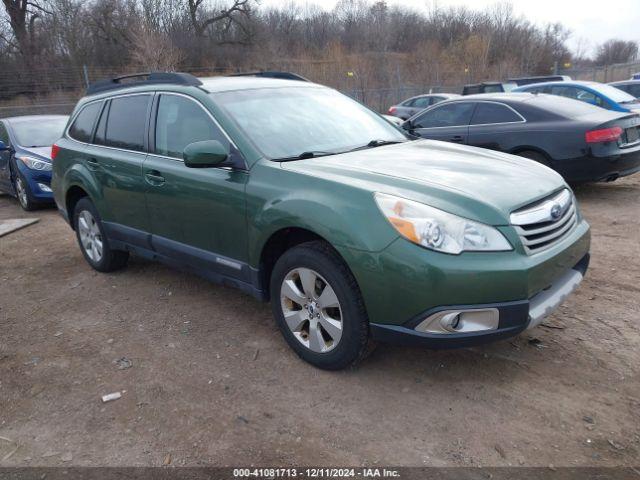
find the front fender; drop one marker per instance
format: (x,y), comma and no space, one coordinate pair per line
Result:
(343,215)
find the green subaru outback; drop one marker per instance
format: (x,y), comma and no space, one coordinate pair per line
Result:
(297,194)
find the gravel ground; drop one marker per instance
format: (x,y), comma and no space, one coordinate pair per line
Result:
(208,380)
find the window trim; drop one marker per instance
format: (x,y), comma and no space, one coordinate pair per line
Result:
(443,104)
(154,119)
(524,120)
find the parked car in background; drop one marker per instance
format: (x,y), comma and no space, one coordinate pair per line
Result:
(25,157)
(635,76)
(580,141)
(632,87)
(395,120)
(599,94)
(300,195)
(413,105)
(488,87)
(520,81)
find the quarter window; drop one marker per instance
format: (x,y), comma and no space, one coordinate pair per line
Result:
(451,115)
(494,113)
(126,122)
(180,122)
(82,127)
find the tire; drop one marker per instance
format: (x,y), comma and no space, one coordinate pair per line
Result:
(311,327)
(93,241)
(23,192)
(537,156)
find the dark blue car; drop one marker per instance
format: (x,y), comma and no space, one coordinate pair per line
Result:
(595,93)
(25,157)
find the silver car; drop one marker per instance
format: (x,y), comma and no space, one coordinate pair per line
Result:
(413,105)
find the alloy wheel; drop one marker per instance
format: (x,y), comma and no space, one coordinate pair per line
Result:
(90,236)
(21,191)
(311,310)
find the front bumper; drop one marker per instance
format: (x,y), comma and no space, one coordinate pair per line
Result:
(39,183)
(514,317)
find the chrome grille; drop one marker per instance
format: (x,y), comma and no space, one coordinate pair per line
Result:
(546,222)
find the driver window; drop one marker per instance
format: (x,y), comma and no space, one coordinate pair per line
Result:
(422,102)
(4,135)
(180,122)
(451,115)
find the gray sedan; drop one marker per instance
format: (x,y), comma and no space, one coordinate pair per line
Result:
(413,105)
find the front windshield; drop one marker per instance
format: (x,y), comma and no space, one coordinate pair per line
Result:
(287,122)
(38,132)
(614,93)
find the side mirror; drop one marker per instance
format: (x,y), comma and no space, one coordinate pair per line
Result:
(206,154)
(407,125)
(3,147)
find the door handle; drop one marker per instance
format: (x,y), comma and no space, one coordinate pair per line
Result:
(154,177)
(456,138)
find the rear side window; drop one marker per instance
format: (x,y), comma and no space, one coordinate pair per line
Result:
(125,125)
(82,127)
(494,113)
(180,122)
(451,115)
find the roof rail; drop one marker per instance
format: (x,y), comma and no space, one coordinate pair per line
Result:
(271,74)
(148,78)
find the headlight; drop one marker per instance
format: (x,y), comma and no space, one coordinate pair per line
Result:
(437,230)
(35,164)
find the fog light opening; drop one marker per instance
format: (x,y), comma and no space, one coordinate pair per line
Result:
(461,321)
(44,188)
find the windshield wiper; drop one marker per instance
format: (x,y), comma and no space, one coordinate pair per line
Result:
(376,143)
(305,155)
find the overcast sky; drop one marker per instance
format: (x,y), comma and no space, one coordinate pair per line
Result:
(591,21)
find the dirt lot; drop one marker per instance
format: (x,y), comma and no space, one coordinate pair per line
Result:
(213,382)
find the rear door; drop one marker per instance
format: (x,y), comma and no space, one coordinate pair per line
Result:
(493,125)
(116,157)
(197,214)
(447,122)
(5,157)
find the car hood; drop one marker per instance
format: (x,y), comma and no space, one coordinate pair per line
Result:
(479,184)
(41,152)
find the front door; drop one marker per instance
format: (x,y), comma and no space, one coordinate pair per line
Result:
(5,159)
(448,122)
(197,214)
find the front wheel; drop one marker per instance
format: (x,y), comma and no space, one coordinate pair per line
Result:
(23,193)
(318,307)
(93,241)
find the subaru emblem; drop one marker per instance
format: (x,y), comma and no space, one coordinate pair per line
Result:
(556,211)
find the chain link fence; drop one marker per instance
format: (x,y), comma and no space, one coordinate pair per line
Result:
(605,74)
(56,90)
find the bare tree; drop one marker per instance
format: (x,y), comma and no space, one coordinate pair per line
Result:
(616,51)
(153,51)
(228,15)
(22,18)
